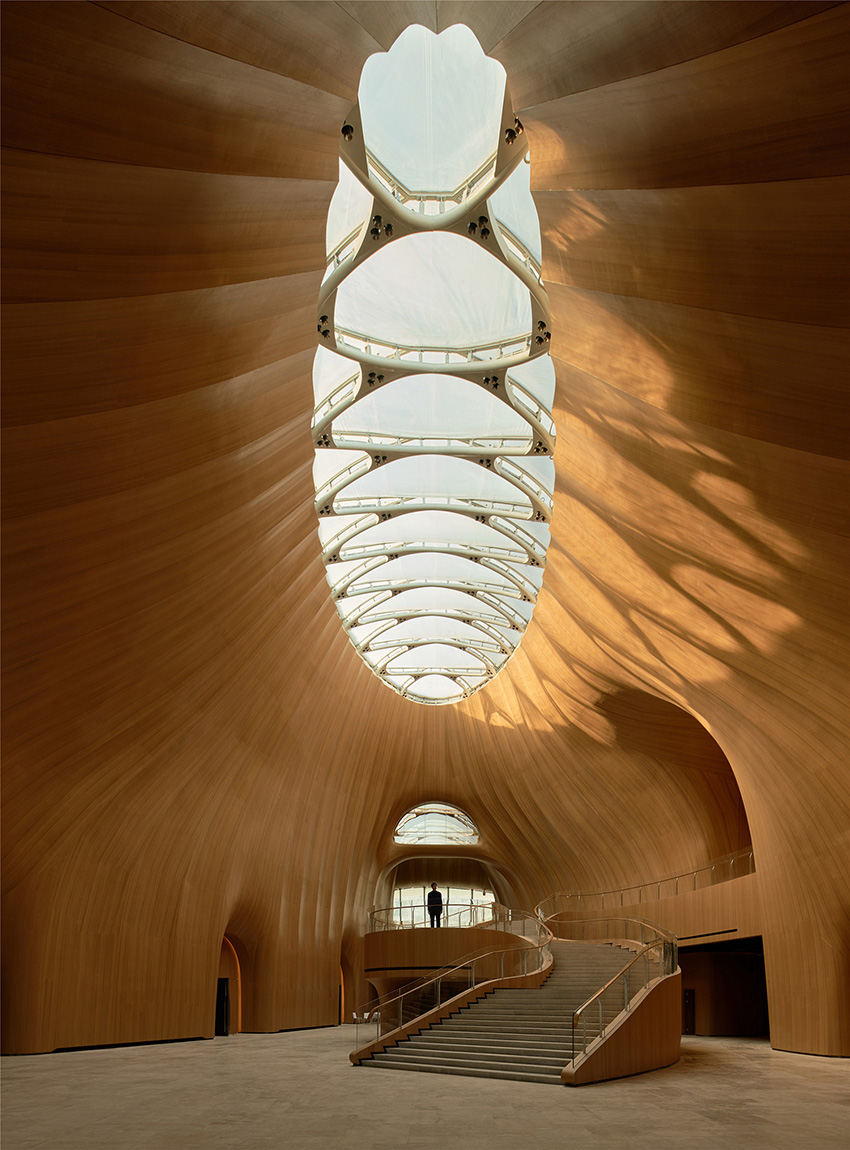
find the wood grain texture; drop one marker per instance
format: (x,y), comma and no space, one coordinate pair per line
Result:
(192,747)
(385,20)
(490,22)
(563,48)
(312,41)
(120,92)
(165,230)
(774,108)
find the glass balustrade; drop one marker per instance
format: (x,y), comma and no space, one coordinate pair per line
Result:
(656,955)
(531,954)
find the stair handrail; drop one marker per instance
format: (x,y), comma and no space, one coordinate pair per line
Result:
(391,1007)
(664,942)
(720,870)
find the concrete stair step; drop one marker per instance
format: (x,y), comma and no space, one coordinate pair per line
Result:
(546,1063)
(560,1052)
(519,1034)
(470,1071)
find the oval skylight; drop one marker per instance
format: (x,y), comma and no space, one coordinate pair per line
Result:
(433,384)
(436,824)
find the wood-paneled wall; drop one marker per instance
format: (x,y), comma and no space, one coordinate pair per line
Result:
(192,747)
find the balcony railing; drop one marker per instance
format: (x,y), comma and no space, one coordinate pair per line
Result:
(734,865)
(414,915)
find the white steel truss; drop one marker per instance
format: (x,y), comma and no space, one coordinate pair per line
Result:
(490,569)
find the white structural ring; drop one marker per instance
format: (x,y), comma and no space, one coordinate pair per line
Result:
(433,431)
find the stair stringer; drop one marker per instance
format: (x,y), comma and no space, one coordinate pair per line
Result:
(647,1036)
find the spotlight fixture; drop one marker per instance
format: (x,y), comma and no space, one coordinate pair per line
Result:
(348,132)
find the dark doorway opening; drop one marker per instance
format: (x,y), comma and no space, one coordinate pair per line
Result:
(724,988)
(222,1008)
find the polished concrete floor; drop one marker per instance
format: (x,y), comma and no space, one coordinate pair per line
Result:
(298,1090)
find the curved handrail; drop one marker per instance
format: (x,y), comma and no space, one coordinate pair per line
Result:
(718,871)
(388,1011)
(663,942)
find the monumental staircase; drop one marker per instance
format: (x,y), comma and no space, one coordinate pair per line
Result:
(581,1009)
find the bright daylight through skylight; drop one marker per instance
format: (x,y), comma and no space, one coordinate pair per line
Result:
(433,383)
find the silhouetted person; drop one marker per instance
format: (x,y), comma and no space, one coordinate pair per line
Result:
(435,904)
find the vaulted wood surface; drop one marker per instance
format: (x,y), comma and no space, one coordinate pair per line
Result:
(192,747)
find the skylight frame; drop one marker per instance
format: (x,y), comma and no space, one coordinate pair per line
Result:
(502,580)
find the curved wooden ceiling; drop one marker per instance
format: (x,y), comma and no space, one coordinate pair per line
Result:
(192,745)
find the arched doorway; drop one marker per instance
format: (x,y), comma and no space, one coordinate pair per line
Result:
(228,1014)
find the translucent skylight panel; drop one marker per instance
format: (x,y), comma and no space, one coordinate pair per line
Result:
(437,688)
(439,600)
(432,529)
(337,573)
(537,377)
(539,468)
(435,570)
(410,100)
(435,628)
(513,207)
(338,527)
(432,405)
(330,372)
(434,289)
(436,477)
(362,633)
(437,655)
(328,464)
(351,206)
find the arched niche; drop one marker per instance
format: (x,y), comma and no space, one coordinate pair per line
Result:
(668,739)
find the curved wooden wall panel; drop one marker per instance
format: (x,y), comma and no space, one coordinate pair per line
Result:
(705,540)
(192,746)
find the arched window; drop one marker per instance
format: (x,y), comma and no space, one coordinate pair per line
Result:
(435,824)
(433,383)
